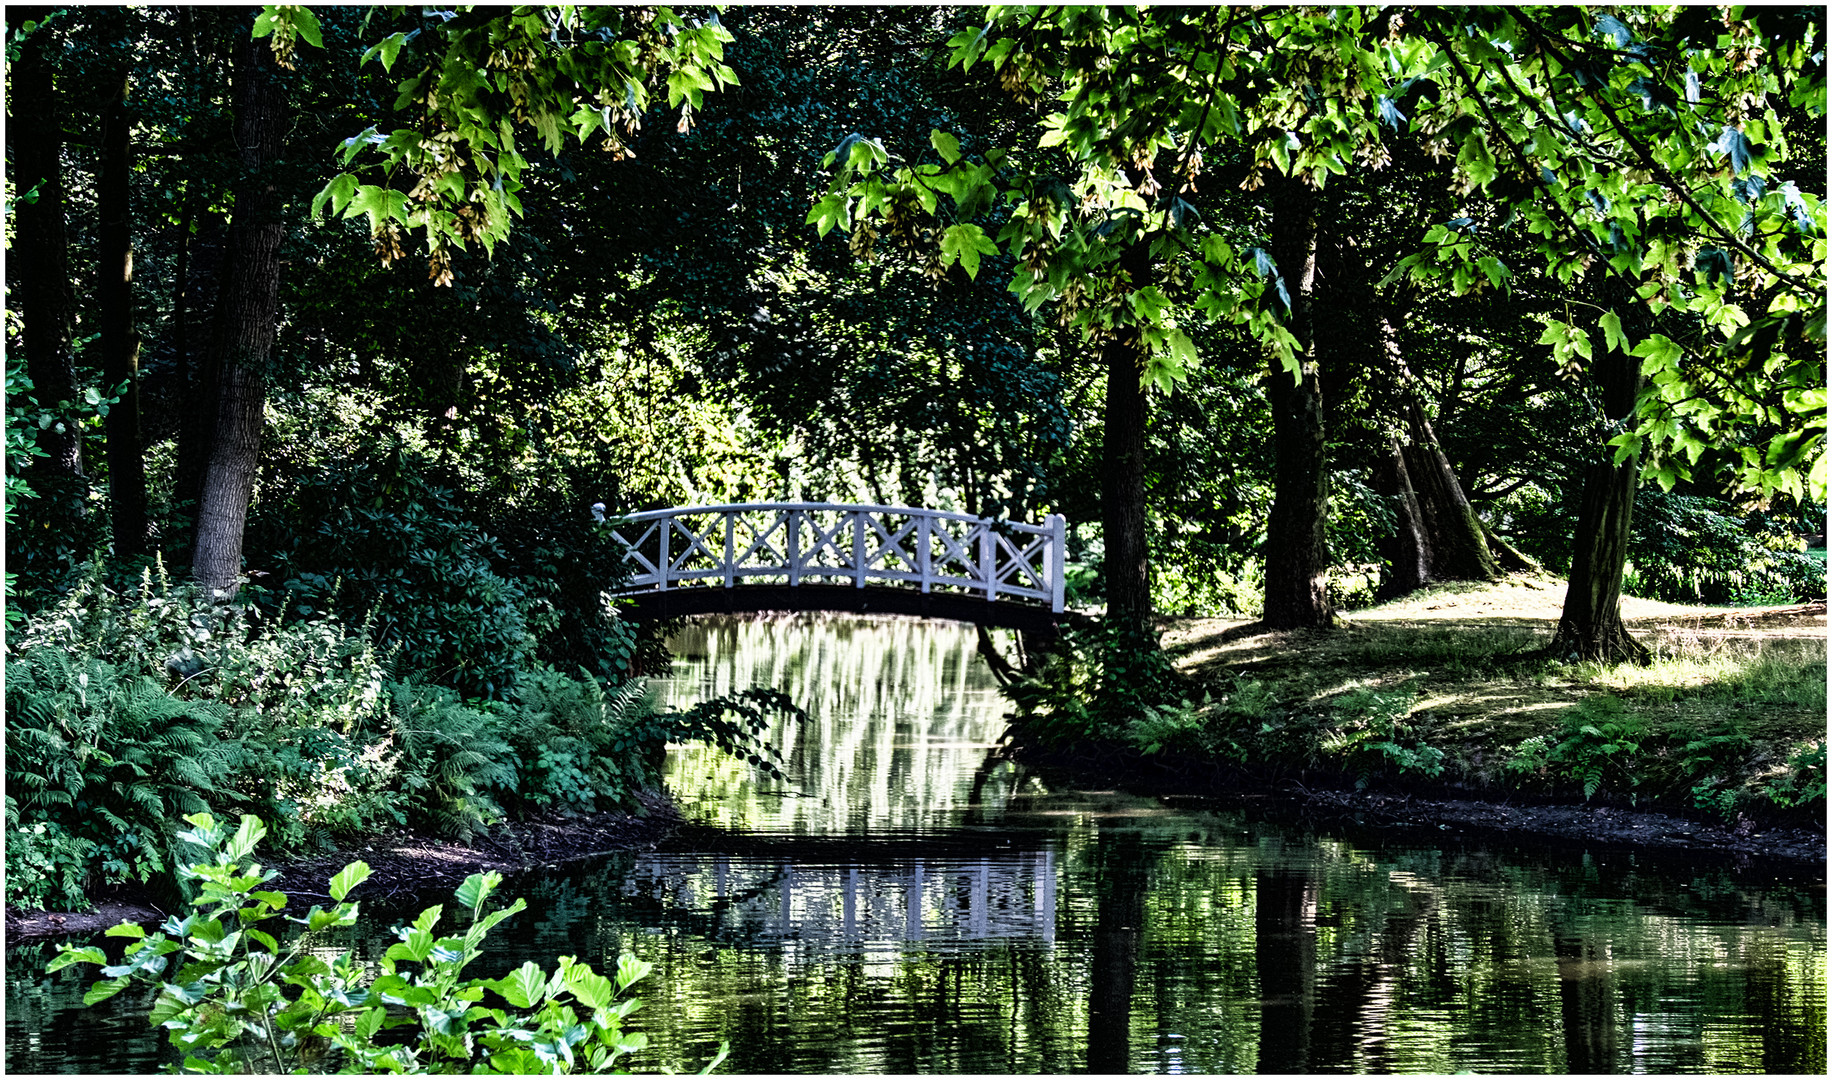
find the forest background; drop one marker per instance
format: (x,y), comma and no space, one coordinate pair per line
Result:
(348,315)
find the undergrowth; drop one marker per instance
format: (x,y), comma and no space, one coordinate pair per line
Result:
(128,710)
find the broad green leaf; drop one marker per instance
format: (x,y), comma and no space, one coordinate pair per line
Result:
(102,991)
(946,145)
(1613,337)
(305,24)
(348,878)
(89,954)
(522,987)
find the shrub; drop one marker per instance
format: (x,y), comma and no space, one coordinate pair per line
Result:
(102,765)
(1598,744)
(388,548)
(243,1002)
(1093,684)
(1690,549)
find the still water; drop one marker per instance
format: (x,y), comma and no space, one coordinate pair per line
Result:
(907,903)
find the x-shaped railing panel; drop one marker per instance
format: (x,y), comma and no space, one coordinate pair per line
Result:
(932,550)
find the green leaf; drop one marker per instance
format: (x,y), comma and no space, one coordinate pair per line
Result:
(89,954)
(126,930)
(522,987)
(476,889)
(380,203)
(946,145)
(630,969)
(966,242)
(1613,337)
(349,878)
(306,24)
(102,991)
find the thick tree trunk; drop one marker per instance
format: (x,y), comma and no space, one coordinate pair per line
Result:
(1297,557)
(40,244)
(1119,928)
(201,380)
(1440,536)
(1409,552)
(120,342)
(1459,550)
(1590,628)
(1587,1004)
(245,311)
(1123,480)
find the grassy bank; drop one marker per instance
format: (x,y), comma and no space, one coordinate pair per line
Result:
(1450,691)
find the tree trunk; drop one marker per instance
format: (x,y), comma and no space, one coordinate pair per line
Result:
(1590,628)
(201,380)
(1123,479)
(45,301)
(1297,558)
(1440,536)
(245,312)
(1587,1007)
(1119,928)
(1409,551)
(120,342)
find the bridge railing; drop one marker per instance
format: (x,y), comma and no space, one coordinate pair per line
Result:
(834,543)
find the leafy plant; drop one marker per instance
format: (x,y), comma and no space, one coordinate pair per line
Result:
(389,548)
(1370,725)
(1598,742)
(1804,782)
(237,1000)
(1093,685)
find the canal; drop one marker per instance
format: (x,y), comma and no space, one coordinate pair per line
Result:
(907,902)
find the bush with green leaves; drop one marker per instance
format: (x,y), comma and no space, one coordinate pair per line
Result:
(101,764)
(1690,549)
(235,998)
(1093,684)
(212,706)
(383,545)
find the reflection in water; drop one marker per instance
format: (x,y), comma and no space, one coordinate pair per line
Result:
(909,904)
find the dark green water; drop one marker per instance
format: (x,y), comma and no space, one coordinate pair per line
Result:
(905,904)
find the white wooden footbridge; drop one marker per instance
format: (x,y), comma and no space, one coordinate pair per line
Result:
(796,556)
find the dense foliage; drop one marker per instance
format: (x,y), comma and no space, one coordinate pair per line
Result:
(129,709)
(235,1000)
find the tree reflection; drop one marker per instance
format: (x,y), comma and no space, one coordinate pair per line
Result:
(1285,948)
(1121,873)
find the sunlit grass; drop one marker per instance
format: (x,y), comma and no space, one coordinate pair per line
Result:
(1778,672)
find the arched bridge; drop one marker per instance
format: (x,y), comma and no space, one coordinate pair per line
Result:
(696,560)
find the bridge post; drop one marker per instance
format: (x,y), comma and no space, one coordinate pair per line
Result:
(1058,543)
(923,562)
(730,517)
(989,563)
(667,524)
(858,549)
(794,522)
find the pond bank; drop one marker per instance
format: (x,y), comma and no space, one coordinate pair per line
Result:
(405,869)
(1436,816)
(1442,710)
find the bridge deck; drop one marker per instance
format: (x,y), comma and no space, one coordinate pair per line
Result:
(871,600)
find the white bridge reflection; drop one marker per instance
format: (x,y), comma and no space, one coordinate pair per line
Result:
(939,901)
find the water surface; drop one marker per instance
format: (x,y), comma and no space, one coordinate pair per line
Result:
(908,903)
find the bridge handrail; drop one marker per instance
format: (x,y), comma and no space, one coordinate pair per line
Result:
(870,508)
(992,563)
